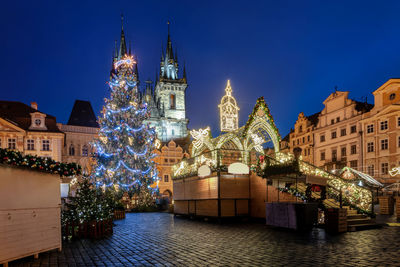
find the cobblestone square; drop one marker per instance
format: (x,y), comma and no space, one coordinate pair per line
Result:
(160,239)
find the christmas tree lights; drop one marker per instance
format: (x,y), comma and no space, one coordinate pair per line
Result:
(125,145)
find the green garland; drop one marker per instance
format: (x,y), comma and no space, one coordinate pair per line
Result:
(15,158)
(261,103)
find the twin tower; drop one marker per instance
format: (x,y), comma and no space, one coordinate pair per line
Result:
(166,100)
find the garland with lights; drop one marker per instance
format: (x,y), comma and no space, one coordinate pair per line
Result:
(124,149)
(261,103)
(16,158)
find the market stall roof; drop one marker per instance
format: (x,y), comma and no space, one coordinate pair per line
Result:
(368,179)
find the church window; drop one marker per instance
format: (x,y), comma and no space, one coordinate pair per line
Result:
(173,132)
(172,101)
(85,151)
(71,150)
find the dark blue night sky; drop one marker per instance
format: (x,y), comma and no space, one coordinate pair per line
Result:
(291,52)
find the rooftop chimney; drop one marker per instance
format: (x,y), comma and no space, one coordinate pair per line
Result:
(34,105)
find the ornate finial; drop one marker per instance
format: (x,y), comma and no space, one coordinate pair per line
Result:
(228,88)
(122,21)
(168,26)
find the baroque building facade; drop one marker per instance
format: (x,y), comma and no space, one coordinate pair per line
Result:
(381,133)
(30,131)
(303,136)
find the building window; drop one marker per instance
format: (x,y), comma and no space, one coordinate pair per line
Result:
(0,142)
(12,144)
(392,96)
(46,145)
(171,160)
(343,132)
(353,149)
(322,155)
(308,138)
(165,160)
(370,170)
(398,121)
(384,144)
(337,119)
(172,132)
(332,121)
(385,168)
(334,155)
(370,147)
(85,151)
(333,135)
(166,178)
(322,138)
(294,143)
(343,152)
(353,129)
(30,144)
(370,128)
(172,101)
(384,125)
(353,164)
(298,141)
(71,150)
(301,128)
(399,141)
(304,140)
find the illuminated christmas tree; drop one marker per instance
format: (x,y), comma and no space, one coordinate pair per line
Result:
(125,145)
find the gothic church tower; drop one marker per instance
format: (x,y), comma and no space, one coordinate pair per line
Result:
(169,92)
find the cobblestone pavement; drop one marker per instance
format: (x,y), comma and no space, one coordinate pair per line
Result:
(160,239)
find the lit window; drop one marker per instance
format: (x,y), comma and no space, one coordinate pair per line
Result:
(370,147)
(385,168)
(370,128)
(384,125)
(46,145)
(353,149)
(172,101)
(71,150)
(12,143)
(30,144)
(85,151)
(353,129)
(384,144)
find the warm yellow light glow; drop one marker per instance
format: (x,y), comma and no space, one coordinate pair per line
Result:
(199,136)
(395,171)
(127,61)
(228,111)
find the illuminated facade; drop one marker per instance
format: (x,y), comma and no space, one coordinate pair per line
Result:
(167,99)
(228,111)
(381,133)
(26,129)
(302,136)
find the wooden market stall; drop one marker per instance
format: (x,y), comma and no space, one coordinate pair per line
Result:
(29,213)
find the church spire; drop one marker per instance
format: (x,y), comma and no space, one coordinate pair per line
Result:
(169,65)
(122,45)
